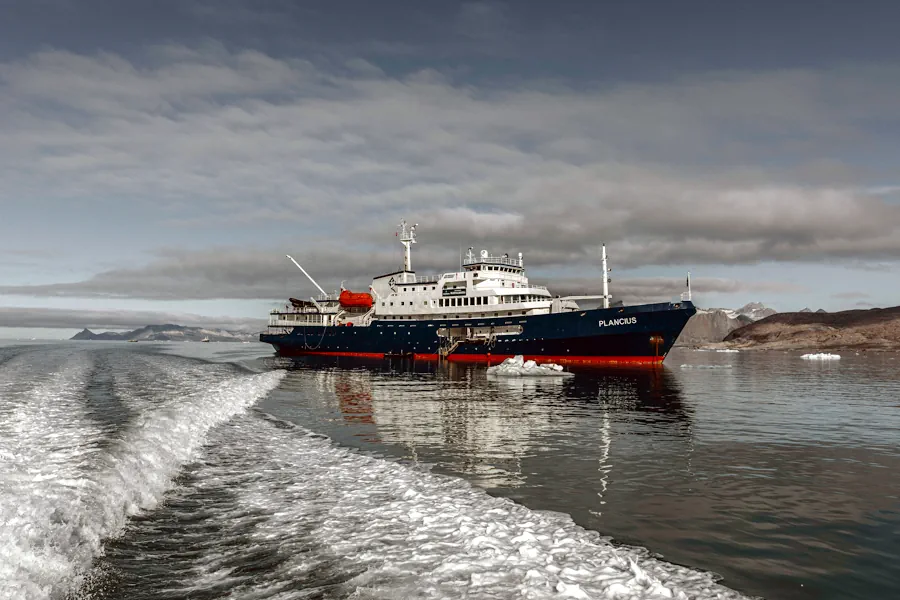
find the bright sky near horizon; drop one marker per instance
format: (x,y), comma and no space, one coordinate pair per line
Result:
(158,159)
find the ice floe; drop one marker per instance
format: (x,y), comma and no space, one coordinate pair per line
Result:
(517,366)
(821,356)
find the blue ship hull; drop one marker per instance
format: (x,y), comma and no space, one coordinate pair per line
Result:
(621,335)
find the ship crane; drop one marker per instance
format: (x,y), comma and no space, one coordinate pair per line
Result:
(307,275)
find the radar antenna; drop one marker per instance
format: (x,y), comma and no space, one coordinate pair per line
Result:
(407,236)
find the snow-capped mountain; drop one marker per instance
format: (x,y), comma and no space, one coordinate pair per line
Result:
(711,325)
(752,310)
(168,333)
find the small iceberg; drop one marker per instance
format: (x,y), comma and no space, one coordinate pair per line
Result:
(821,356)
(517,366)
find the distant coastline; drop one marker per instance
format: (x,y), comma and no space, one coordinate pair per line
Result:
(874,329)
(167,333)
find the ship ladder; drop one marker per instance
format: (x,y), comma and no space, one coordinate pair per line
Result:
(445,351)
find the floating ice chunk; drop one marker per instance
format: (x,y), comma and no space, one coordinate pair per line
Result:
(728,350)
(821,356)
(517,366)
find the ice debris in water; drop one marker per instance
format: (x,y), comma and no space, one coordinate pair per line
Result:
(821,356)
(517,366)
(727,350)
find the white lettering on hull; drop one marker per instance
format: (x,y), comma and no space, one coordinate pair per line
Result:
(619,321)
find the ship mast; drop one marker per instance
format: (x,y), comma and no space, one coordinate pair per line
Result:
(605,279)
(407,236)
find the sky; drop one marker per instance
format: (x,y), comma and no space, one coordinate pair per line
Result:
(159,158)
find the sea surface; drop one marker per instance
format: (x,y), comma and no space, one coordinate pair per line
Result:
(179,470)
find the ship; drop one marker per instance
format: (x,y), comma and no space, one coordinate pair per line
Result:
(486,311)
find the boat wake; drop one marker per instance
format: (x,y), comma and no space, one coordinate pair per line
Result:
(286,512)
(69,482)
(134,475)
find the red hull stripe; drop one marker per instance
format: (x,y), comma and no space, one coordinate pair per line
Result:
(291,352)
(497,358)
(561,360)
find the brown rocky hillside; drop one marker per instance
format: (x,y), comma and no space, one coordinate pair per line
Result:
(877,328)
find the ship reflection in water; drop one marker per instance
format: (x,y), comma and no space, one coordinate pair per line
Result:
(506,433)
(738,464)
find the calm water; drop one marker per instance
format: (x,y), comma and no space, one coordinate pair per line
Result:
(218,471)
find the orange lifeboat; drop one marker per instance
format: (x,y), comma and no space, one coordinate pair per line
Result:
(350,299)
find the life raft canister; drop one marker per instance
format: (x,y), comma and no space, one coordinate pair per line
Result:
(350,299)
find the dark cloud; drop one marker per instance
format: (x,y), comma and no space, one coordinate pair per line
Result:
(850,295)
(210,137)
(115,319)
(724,167)
(240,274)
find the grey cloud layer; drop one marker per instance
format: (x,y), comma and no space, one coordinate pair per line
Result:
(115,319)
(268,275)
(673,173)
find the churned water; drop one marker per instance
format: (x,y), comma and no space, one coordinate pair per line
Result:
(219,471)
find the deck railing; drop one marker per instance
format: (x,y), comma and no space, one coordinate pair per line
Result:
(494,260)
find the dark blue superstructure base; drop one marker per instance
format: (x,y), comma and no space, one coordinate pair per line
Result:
(631,334)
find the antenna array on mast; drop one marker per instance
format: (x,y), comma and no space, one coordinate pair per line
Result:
(407,236)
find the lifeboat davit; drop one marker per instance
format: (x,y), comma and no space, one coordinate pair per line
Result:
(350,299)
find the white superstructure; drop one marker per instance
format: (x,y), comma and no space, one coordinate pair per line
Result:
(485,286)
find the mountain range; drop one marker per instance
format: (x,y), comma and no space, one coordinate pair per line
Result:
(168,333)
(711,325)
(875,328)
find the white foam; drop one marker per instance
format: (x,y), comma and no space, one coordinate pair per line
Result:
(399,532)
(69,493)
(821,356)
(47,445)
(517,366)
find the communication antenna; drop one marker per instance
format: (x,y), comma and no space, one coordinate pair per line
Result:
(407,237)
